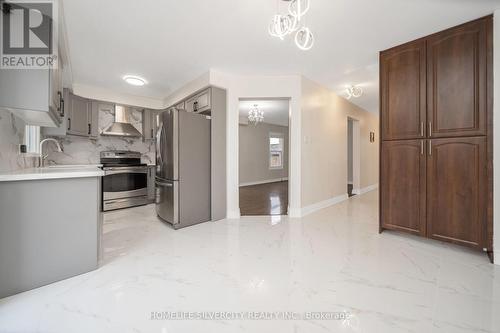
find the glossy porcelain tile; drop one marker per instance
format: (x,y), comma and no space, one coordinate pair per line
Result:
(330,261)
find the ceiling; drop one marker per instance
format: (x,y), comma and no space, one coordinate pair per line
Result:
(275,111)
(171,42)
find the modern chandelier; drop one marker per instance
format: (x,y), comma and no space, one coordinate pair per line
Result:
(255,115)
(354,91)
(287,24)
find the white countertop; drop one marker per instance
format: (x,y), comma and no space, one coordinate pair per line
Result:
(53,172)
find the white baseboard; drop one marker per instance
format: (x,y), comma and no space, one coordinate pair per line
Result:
(496,255)
(323,204)
(364,190)
(266,181)
(294,212)
(233,214)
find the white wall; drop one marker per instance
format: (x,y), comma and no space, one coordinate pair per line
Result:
(324,150)
(254,153)
(496,137)
(349,151)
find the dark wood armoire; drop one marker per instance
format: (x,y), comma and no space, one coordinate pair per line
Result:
(436,107)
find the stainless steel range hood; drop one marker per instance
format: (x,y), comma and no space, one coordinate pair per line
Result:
(122,125)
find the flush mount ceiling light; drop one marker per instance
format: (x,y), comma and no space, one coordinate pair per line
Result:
(255,115)
(134,80)
(354,91)
(286,24)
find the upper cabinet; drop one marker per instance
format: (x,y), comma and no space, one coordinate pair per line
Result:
(403,95)
(79,116)
(436,86)
(456,81)
(32,95)
(200,103)
(149,124)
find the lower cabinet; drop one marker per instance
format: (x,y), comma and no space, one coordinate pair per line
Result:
(435,188)
(403,186)
(456,190)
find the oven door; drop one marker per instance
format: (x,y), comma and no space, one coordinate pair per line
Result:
(124,182)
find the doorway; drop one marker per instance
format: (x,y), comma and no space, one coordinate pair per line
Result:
(263,156)
(353,157)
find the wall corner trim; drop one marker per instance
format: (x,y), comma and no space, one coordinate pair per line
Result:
(233,215)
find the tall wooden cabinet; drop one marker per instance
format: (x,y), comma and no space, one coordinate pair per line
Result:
(436,116)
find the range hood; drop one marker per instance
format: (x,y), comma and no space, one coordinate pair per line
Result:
(122,125)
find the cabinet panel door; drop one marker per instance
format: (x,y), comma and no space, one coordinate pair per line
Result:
(203,101)
(78,117)
(191,104)
(402,91)
(403,186)
(457,81)
(456,190)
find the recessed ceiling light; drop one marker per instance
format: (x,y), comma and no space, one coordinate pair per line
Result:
(134,80)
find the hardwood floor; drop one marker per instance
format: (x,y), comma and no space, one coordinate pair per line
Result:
(264,199)
(349,190)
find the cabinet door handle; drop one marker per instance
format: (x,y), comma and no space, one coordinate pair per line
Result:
(89,129)
(421,147)
(195,106)
(422,128)
(62,107)
(430,128)
(69,124)
(430,147)
(152,133)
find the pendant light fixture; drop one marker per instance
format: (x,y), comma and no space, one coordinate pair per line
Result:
(255,115)
(286,24)
(354,91)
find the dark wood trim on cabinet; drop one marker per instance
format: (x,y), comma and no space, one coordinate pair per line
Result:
(489,134)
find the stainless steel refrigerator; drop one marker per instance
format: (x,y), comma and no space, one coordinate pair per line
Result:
(183,168)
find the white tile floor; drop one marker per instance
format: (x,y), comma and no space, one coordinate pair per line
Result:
(333,260)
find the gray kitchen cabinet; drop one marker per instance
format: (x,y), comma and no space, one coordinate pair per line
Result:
(79,116)
(32,95)
(151,183)
(200,102)
(63,127)
(149,124)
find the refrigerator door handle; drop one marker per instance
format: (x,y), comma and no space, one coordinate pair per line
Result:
(159,157)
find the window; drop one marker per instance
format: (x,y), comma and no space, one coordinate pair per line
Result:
(276,143)
(32,139)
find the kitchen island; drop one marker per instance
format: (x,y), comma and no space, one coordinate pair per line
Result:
(50,226)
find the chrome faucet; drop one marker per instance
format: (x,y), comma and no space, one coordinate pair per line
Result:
(42,156)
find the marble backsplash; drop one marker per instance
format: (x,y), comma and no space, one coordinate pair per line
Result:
(11,136)
(82,150)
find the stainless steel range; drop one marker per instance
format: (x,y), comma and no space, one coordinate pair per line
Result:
(125,181)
